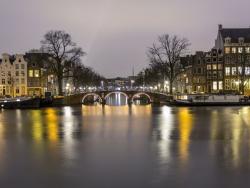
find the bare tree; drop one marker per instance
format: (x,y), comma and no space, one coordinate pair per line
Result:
(165,56)
(63,54)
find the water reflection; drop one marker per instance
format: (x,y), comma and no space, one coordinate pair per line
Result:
(117,99)
(140,146)
(185,129)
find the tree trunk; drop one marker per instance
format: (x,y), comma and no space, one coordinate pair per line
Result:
(60,89)
(171,87)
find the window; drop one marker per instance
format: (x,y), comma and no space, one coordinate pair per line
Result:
(234,50)
(227,71)
(227,84)
(208,67)
(227,40)
(247,50)
(19,60)
(239,70)
(220,85)
(17,81)
(199,71)
(234,71)
(3,81)
(241,40)
(214,66)
(214,59)
(22,66)
(17,73)
(214,85)
(240,50)
(227,50)
(208,60)
(30,73)
(17,66)
(36,73)
(22,81)
(233,84)
(247,70)
(22,73)
(17,90)
(219,66)
(9,73)
(23,90)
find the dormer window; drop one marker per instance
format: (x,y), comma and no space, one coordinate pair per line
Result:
(228,40)
(241,40)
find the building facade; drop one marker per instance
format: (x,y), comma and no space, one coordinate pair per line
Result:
(225,68)
(214,71)
(13,77)
(235,46)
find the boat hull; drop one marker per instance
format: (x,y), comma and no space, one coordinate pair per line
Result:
(180,103)
(23,104)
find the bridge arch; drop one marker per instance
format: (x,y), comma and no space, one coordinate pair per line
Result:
(91,94)
(140,94)
(114,92)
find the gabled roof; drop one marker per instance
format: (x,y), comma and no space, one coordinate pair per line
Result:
(235,34)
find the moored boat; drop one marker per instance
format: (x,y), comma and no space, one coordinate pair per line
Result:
(20,103)
(209,100)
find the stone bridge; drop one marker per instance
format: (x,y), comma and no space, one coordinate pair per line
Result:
(153,97)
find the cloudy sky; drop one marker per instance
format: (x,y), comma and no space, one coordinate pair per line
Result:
(116,33)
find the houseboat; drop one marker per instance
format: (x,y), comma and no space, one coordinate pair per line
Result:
(20,103)
(209,100)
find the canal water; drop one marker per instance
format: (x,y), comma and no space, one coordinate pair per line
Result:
(138,146)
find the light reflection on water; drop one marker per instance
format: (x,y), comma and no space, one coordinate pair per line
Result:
(125,146)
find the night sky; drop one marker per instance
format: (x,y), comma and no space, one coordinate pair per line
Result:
(116,33)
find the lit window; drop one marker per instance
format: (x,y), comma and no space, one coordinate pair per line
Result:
(240,50)
(214,85)
(247,50)
(234,71)
(30,73)
(234,50)
(239,70)
(227,50)
(214,66)
(220,85)
(208,67)
(247,70)
(227,71)
(36,72)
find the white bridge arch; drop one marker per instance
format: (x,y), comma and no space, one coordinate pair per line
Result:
(142,93)
(91,94)
(116,92)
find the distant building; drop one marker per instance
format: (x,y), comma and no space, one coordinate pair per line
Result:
(13,77)
(235,46)
(214,71)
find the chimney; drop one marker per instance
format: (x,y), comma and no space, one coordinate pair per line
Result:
(220,26)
